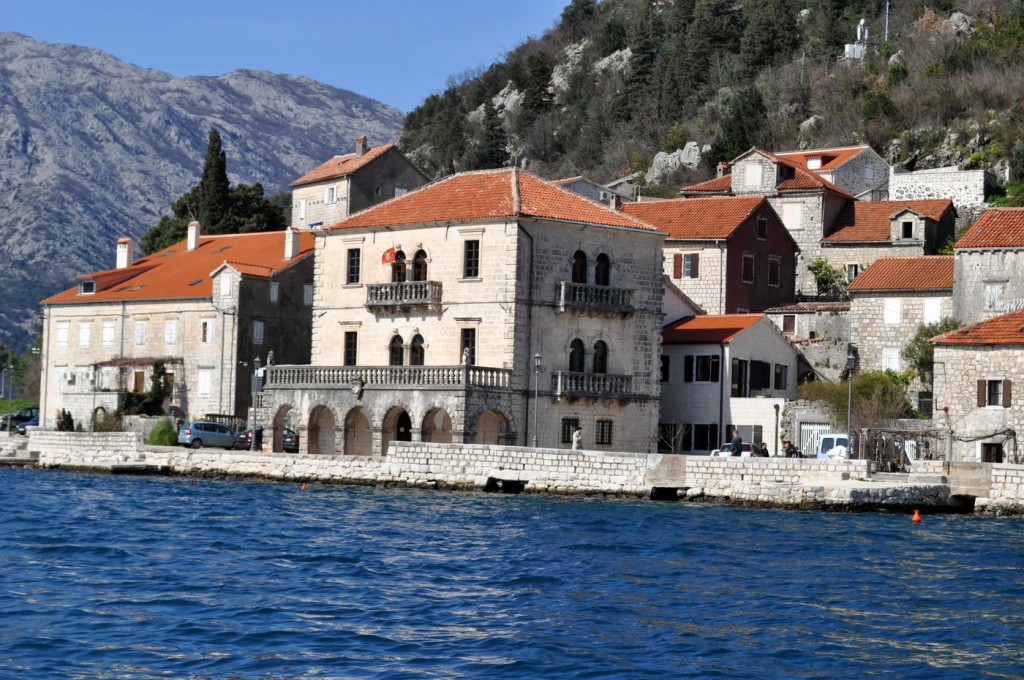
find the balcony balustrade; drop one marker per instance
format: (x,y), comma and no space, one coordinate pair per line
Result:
(404,296)
(388,376)
(600,385)
(595,300)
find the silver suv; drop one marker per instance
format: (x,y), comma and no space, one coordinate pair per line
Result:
(204,433)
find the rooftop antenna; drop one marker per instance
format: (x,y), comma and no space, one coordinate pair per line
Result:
(886,20)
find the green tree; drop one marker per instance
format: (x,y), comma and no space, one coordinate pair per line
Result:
(878,399)
(242,208)
(576,18)
(491,148)
(920,352)
(830,280)
(770,35)
(741,128)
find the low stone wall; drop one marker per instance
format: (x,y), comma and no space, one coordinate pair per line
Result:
(779,482)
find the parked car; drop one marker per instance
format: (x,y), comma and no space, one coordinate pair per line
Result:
(726,450)
(291,441)
(831,445)
(204,433)
(10,421)
(31,422)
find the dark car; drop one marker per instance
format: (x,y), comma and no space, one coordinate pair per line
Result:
(291,441)
(11,421)
(205,433)
(31,422)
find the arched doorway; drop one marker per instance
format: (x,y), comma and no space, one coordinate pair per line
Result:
(437,427)
(491,428)
(358,435)
(282,420)
(321,431)
(397,427)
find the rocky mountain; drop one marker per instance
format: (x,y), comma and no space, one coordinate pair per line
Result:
(94,149)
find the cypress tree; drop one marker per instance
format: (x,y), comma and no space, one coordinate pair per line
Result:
(214,189)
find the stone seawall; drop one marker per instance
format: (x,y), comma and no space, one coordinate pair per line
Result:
(775,482)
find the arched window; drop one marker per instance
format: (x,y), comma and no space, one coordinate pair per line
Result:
(398,268)
(576,356)
(603,271)
(396,351)
(600,357)
(416,351)
(419,266)
(579,267)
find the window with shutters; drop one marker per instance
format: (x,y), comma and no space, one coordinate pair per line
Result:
(740,378)
(781,377)
(84,334)
(851,271)
(760,375)
(762,227)
(789,324)
(140,332)
(793,216)
(205,381)
(701,368)
(753,175)
(257,332)
(774,271)
(995,295)
(206,332)
(996,393)
(691,265)
(275,291)
(748,268)
(171,333)
(891,359)
(893,311)
(932,310)
(108,333)
(307,294)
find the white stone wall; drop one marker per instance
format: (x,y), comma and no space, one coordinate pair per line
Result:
(841,255)
(974,269)
(866,173)
(873,336)
(966,188)
(957,371)
(312,203)
(708,288)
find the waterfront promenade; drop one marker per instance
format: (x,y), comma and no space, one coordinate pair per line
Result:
(934,486)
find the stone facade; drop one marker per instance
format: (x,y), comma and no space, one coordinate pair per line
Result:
(95,351)
(329,200)
(865,176)
(389,361)
(967,188)
(974,397)
(988,282)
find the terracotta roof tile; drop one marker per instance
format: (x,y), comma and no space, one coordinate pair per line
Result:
(830,158)
(802,179)
(713,217)
(708,329)
(176,272)
(809,307)
(488,194)
(716,185)
(340,166)
(996,228)
(870,221)
(918,272)
(1005,329)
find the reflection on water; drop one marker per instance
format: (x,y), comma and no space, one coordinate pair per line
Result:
(151,577)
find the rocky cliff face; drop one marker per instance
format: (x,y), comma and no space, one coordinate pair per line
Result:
(92,149)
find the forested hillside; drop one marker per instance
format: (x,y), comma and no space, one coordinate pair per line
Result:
(614,82)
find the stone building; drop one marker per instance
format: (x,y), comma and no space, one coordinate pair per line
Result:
(487,307)
(989,266)
(206,307)
(820,331)
(722,372)
(858,170)
(592,190)
(865,231)
(729,254)
(976,367)
(345,184)
(889,302)
(968,189)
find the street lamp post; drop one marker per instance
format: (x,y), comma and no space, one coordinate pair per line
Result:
(851,363)
(536,392)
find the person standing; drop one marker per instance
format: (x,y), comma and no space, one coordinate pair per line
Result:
(737,443)
(577,439)
(764,450)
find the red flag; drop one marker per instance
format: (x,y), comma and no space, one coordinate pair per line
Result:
(388,257)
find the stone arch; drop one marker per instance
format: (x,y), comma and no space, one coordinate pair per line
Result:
(396,426)
(320,433)
(282,419)
(419,266)
(579,267)
(358,433)
(577,356)
(602,270)
(437,427)
(492,427)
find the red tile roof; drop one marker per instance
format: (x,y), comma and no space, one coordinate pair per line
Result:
(830,158)
(488,194)
(918,272)
(340,166)
(871,221)
(996,228)
(802,179)
(175,272)
(708,329)
(713,217)
(715,185)
(1005,329)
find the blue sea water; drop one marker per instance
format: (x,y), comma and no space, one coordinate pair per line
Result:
(148,577)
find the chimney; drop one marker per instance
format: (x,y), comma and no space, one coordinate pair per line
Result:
(360,145)
(614,201)
(125,252)
(291,243)
(723,169)
(194,231)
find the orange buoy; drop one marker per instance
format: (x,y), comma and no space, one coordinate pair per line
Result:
(916,517)
(304,488)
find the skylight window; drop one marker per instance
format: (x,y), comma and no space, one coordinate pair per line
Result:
(195,282)
(166,254)
(222,249)
(122,289)
(87,288)
(139,287)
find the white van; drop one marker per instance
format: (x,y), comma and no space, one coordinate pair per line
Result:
(831,445)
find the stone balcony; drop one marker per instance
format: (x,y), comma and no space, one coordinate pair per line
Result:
(388,377)
(407,296)
(567,384)
(594,300)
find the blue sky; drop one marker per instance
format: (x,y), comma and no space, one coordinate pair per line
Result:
(395,51)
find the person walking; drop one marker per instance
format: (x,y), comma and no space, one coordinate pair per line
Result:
(577,439)
(737,443)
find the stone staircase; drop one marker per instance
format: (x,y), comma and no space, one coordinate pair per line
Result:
(14,451)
